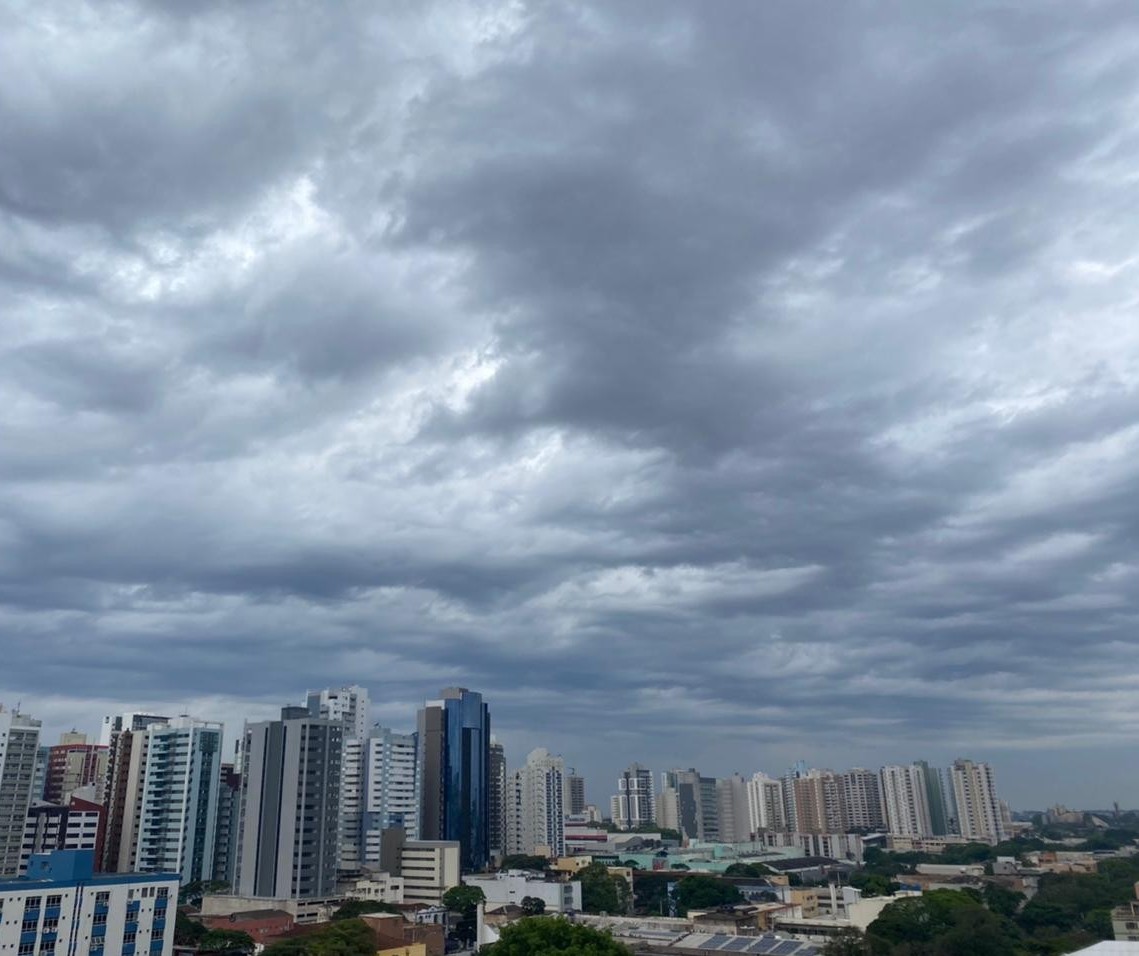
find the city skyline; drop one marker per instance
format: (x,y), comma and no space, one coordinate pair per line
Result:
(599,786)
(719,384)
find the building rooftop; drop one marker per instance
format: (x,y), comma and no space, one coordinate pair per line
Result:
(748,945)
(74,867)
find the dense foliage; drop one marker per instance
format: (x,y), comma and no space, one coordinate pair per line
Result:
(748,869)
(602,892)
(226,941)
(187,932)
(533,905)
(700,892)
(548,935)
(350,937)
(1068,912)
(524,861)
(353,908)
(464,900)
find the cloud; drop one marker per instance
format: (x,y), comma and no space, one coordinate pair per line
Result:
(706,384)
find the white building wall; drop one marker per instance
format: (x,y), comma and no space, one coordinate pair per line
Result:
(513,886)
(131,910)
(765,804)
(905,802)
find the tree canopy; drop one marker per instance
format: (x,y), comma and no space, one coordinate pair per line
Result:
(549,935)
(601,892)
(524,861)
(350,937)
(353,908)
(226,941)
(698,892)
(464,900)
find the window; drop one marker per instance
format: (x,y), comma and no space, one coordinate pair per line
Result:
(54,900)
(103,898)
(100,919)
(33,903)
(129,937)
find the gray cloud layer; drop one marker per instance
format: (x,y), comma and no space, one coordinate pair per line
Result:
(708,383)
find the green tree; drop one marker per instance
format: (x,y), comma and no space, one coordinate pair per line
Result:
(524,861)
(549,935)
(1001,900)
(350,937)
(353,908)
(464,900)
(226,941)
(601,892)
(680,866)
(699,892)
(919,919)
(748,869)
(187,932)
(533,905)
(849,942)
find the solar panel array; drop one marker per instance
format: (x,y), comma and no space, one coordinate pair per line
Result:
(749,945)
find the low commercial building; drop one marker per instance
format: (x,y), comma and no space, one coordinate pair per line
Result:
(264,926)
(513,886)
(61,905)
(429,868)
(377,887)
(304,911)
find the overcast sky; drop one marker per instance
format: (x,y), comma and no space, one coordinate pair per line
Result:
(712,384)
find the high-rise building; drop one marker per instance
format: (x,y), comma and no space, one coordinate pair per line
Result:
(389,791)
(861,800)
(39,775)
(179,799)
(497,800)
(228,821)
(161,806)
(19,742)
(634,804)
(454,774)
(290,807)
(978,808)
(71,764)
(690,803)
(135,720)
(735,820)
(349,706)
(765,804)
(575,793)
(810,791)
(75,825)
(535,799)
(904,800)
(939,799)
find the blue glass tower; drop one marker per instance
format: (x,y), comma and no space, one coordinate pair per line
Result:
(454,768)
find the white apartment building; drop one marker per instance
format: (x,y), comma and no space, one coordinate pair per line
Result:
(513,886)
(349,706)
(765,804)
(975,795)
(19,744)
(389,762)
(634,804)
(62,906)
(535,809)
(178,809)
(905,802)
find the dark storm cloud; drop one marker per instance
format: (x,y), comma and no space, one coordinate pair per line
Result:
(726,382)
